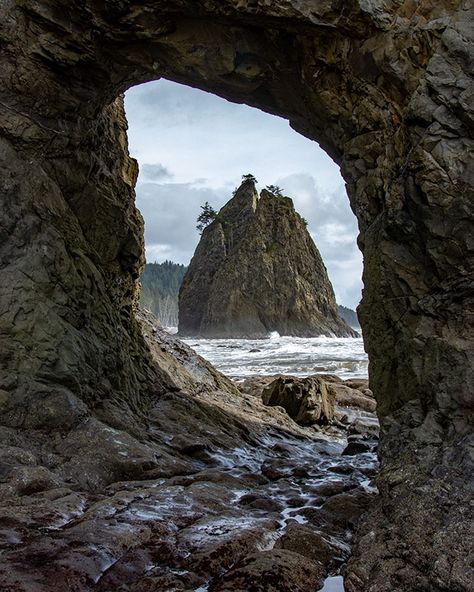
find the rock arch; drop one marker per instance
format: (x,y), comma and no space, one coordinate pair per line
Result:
(386,88)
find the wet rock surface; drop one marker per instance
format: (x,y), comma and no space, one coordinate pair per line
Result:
(217,520)
(220,493)
(271,571)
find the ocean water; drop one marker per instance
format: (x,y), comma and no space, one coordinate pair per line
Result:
(297,356)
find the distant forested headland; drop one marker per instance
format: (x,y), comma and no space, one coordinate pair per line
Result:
(349,315)
(160,288)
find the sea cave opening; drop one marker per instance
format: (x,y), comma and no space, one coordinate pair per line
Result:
(129,462)
(196,151)
(193,149)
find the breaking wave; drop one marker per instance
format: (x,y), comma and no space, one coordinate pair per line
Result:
(298,356)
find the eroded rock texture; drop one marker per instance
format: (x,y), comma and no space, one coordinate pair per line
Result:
(306,400)
(255,270)
(385,86)
(197,490)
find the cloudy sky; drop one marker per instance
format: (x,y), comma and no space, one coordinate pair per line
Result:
(194,147)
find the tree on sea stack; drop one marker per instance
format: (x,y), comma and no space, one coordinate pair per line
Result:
(249,178)
(207,216)
(275,190)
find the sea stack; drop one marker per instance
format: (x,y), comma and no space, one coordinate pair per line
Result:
(256,270)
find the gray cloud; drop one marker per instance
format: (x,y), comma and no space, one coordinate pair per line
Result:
(154,172)
(198,135)
(333,227)
(170,211)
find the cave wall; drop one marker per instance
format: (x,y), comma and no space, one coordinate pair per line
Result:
(386,88)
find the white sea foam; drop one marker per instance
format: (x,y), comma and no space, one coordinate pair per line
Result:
(298,356)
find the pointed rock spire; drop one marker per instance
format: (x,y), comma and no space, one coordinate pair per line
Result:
(256,269)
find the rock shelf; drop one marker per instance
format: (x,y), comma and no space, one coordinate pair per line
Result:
(199,506)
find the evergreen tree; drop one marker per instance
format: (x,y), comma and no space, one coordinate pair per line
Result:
(275,190)
(207,216)
(249,178)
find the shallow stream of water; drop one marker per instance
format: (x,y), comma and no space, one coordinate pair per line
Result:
(344,357)
(333,584)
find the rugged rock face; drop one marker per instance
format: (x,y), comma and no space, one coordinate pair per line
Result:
(385,86)
(256,270)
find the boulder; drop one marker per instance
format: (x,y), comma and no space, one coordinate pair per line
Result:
(340,512)
(277,570)
(254,385)
(306,400)
(357,447)
(347,396)
(312,544)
